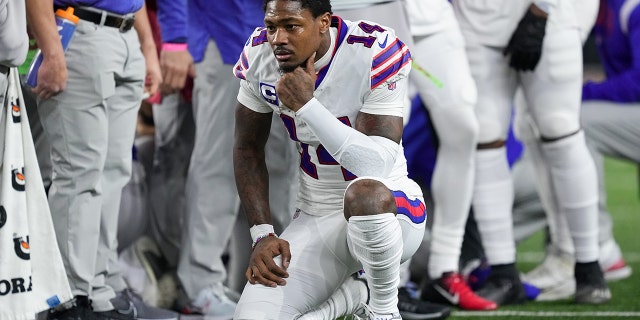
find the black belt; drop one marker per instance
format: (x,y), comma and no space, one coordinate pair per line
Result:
(122,23)
(4,69)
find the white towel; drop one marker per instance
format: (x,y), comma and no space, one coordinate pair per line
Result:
(32,276)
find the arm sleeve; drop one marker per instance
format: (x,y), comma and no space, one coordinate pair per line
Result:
(362,155)
(172,17)
(623,87)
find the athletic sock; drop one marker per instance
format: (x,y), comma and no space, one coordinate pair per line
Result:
(492,205)
(376,241)
(574,179)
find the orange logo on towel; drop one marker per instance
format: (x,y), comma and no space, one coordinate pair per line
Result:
(15,112)
(17,179)
(21,247)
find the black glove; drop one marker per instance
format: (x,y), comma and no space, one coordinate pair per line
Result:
(525,45)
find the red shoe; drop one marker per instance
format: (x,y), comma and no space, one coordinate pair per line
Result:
(451,289)
(617,271)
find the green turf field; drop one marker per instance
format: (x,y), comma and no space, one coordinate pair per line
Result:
(624,204)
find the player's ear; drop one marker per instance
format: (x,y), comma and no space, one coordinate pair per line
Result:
(325,22)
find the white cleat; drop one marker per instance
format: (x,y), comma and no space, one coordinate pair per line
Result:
(554,277)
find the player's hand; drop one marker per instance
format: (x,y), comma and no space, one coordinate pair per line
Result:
(263,268)
(296,88)
(525,46)
(52,76)
(175,66)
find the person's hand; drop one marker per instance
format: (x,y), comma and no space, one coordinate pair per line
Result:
(52,76)
(175,66)
(296,88)
(262,267)
(153,78)
(525,46)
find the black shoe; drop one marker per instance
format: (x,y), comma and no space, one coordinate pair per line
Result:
(503,290)
(415,309)
(591,287)
(128,301)
(77,309)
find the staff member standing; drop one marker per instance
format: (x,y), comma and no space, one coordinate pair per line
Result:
(91,124)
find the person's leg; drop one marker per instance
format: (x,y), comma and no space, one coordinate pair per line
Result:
(174,138)
(552,92)
(211,197)
(610,130)
(323,264)
(121,111)
(373,286)
(451,108)
(528,212)
(76,123)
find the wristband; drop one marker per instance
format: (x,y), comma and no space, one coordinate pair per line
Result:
(174,47)
(271,234)
(260,231)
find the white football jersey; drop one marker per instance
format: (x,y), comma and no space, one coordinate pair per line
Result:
(427,17)
(492,22)
(367,72)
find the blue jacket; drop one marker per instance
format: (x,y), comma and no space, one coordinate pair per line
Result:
(172,17)
(617,32)
(228,22)
(119,6)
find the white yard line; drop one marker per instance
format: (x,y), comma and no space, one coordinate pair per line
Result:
(546,314)
(538,256)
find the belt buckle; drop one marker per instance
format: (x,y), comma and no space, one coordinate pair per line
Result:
(126,24)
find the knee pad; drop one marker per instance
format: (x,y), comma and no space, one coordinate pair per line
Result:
(557,124)
(456,126)
(491,130)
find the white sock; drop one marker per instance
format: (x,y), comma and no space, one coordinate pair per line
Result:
(376,241)
(558,228)
(492,204)
(347,299)
(574,179)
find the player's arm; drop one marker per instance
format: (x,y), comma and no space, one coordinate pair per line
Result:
(250,169)
(369,149)
(252,180)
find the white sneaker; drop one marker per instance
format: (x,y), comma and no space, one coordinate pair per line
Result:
(212,303)
(554,277)
(143,269)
